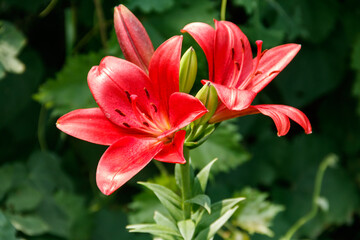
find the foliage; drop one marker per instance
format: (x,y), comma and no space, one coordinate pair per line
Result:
(48,192)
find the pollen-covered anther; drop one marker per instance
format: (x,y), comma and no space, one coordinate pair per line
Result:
(128,96)
(147,93)
(273,72)
(120,112)
(154,106)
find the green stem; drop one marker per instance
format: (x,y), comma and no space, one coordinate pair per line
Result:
(330,160)
(185,173)
(223,10)
(48,9)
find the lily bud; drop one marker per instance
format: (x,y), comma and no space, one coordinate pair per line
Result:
(208,96)
(188,70)
(133,38)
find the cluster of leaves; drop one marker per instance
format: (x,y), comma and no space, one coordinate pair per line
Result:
(45,55)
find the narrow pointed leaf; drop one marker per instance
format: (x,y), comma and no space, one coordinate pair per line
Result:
(187,229)
(161,219)
(218,209)
(202,177)
(170,200)
(209,232)
(203,201)
(153,229)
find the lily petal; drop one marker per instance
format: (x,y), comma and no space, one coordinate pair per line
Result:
(204,35)
(123,159)
(133,38)
(281,114)
(183,109)
(271,64)
(112,84)
(173,152)
(90,125)
(232,98)
(164,69)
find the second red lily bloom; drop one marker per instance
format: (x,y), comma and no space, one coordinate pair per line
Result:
(238,77)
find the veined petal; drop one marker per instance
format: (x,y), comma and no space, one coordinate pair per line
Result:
(232,98)
(90,125)
(204,35)
(112,83)
(281,114)
(123,159)
(224,51)
(133,38)
(173,152)
(164,70)
(271,64)
(242,51)
(183,109)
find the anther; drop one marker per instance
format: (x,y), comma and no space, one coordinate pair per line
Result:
(120,112)
(147,93)
(273,72)
(155,108)
(128,96)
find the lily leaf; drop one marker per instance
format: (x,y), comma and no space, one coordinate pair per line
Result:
(11,43)
(7,231)
(153,229)
(202,177)
(168,198)
(187,229)
(161,219)
(202,200)
(210,231)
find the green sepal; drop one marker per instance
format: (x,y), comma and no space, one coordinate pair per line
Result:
(206,131)
(170,200)
(187,229)
(203,201)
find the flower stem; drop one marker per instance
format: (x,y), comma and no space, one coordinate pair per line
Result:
(328,161)
(223,10)
(186,190)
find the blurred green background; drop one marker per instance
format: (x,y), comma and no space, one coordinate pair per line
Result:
(47,179)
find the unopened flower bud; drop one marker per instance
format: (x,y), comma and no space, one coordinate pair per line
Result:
(133,38)
(188,70)
(208,96)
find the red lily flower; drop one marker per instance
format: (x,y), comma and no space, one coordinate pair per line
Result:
(139,115)
(238,77)
(133,38)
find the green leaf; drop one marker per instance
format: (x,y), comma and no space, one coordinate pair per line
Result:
(7,231)
(153,229)
(202,200)
(11,43)
(187,229)
(148,6)
(161,219)
(24,198)
(168,198)
(255,213)
(31,225)
(224,145)
(69,90)
(202,177)
(6,179)
(218,209)
(210,231)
